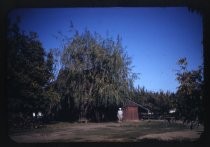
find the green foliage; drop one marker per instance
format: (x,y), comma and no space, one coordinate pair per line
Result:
(95,73)
(25,68)
(158,102)
(50,66)
(28,75)
(189,92)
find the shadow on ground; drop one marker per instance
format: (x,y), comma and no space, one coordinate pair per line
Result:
(142,143)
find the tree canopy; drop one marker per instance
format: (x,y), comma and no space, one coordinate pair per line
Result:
(190,91)
(95,79)
(29,74)
(95,74)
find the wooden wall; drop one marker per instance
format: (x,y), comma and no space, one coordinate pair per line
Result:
(130,113)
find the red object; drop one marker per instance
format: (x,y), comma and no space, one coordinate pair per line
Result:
(130,111)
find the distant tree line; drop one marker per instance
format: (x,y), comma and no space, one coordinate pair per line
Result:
(159,103)
(94,80)
(187,100)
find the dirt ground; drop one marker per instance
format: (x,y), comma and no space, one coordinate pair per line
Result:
(177,135)
(107,132)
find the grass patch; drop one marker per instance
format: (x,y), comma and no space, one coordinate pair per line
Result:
(131,131)
(80,132)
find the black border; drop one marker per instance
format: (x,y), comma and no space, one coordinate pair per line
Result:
(200,6)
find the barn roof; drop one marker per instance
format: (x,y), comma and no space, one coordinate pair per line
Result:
(130,102)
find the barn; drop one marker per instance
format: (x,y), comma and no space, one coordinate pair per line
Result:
(132,111)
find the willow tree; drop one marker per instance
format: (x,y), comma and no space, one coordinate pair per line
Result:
(95,75)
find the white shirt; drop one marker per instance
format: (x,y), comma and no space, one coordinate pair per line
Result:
(120,113)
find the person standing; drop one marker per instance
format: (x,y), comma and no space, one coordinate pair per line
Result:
(120,115)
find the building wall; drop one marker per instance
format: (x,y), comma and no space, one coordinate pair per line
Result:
(131,113)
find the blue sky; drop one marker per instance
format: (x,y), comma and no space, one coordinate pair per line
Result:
(155,38)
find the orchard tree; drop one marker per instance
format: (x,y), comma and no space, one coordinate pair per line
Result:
(190,91)
(29,73)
